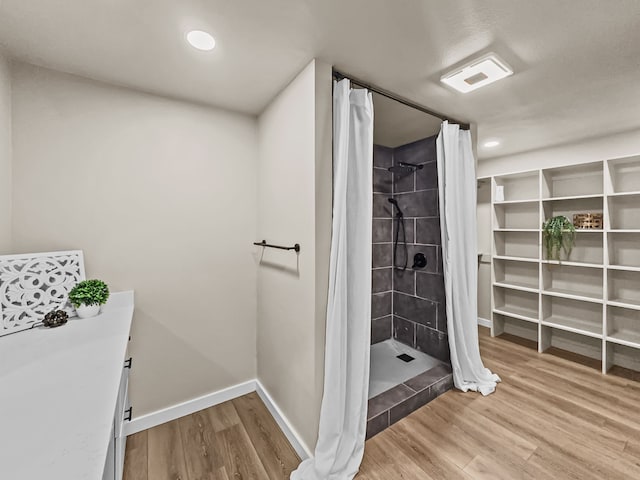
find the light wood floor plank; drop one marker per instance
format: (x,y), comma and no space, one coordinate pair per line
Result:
(632,448)
(135,465)
(202,451)
(438,435)
(165,453)
(223,416)
(569,416)
(548,463)
(538,429)
(489,468)
(389,461)
(240,458)
(417,453)
(275,452)
(485,429)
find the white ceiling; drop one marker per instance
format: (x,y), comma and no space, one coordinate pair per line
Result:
(576,61)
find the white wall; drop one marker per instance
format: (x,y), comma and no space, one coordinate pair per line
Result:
(161,196)
(602,148)
(589,150)
(294,206)
(5,155)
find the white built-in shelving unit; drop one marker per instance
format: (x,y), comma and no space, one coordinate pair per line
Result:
(588,303)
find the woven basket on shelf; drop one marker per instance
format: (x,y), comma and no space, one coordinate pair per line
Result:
(587,221)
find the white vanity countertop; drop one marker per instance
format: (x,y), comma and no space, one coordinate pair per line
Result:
(58,393)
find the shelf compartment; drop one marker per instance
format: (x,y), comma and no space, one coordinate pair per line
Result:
(624,249)
(517,215)
(524,305)
(625,174)
(624,288)
(572,316)
(623,326)
(514,326)
(517,244)
(568,207)
(572,181)
(568,341)
(588,249)
(624,212)
(560,293)
(519,186)
(623,356)
(518,274)
(573,282)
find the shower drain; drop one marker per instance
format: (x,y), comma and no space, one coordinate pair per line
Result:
(405,358)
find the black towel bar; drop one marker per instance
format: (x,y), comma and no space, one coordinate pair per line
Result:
(264,243)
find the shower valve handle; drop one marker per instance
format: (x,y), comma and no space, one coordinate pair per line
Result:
(419,261)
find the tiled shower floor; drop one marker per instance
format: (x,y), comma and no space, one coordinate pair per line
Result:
(387,370)
(397,388)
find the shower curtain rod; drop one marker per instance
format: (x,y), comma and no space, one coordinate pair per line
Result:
(385,93)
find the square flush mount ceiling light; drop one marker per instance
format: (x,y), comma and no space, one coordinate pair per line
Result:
(477,73)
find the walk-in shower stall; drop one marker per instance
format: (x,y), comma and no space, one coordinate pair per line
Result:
(409,344)
(401,177)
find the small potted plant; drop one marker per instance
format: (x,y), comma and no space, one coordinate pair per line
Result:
(87,297)
(559,235)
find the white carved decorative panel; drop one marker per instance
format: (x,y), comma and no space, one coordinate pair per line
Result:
(32,285)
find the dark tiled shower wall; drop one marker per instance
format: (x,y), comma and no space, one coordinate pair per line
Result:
(408,305)
(419,315)
(382,273)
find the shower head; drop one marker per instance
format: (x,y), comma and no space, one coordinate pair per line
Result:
(394,202)
(405,168)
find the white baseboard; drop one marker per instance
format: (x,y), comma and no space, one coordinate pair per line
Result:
(174,412)
(295,440)
(187,408)
(483,322)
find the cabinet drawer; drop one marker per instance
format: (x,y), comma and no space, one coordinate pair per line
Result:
(123,403)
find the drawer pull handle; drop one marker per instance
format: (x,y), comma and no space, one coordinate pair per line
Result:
(128,363)
(129,414)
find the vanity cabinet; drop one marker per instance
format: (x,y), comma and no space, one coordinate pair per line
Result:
(114,465)
(64,397)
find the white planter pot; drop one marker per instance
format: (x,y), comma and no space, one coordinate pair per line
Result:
(88,311)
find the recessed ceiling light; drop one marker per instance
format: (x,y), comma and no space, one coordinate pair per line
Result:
(491,143)
(201,40)
(477,73)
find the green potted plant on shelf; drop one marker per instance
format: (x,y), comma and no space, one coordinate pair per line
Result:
(558,235)
(87,297)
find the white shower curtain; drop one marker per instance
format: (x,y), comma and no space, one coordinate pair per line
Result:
(457,189)
(342,429)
